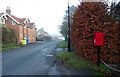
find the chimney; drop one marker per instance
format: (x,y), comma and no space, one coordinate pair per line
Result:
(8,11)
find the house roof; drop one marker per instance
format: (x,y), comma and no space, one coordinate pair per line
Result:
(21,20)
(18,19)
(3,15)
(30,25)
(41,30)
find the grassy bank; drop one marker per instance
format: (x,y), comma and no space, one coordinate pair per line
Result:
(73,61)
(63,44)
(5,47)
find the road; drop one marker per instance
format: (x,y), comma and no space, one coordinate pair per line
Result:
(32,59)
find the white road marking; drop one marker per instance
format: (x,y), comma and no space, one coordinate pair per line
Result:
(45,49)
(50,55)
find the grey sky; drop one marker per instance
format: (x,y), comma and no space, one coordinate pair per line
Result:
(47,14)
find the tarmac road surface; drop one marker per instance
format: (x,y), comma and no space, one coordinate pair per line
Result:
(32,59)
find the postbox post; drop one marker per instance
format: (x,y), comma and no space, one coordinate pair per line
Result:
(98,55)
(98,41)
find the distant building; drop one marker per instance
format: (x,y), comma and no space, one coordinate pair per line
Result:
(22,26)
(42,35)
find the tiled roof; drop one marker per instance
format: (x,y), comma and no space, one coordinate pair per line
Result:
(30,25)
(41,30)
(18,19)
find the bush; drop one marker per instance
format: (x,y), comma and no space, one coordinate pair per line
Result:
(8,35)
(91,17)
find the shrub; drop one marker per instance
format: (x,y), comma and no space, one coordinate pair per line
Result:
(8,35)
(91,17)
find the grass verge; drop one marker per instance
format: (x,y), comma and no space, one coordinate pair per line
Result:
(63,44)
(5,47)
(73,61)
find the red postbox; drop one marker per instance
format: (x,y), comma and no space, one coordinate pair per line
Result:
(98,39)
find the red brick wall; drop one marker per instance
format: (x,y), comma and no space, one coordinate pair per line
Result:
(34,35)
(20,32)
(30,33)
(25,32)
(8,23)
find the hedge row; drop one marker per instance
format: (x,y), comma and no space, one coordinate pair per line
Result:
(91,17)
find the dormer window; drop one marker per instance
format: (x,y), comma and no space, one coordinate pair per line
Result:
(14,23)
(26,22)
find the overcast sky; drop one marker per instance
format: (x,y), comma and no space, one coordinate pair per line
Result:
(47,14)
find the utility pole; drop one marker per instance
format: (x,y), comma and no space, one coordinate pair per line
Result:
(68,27)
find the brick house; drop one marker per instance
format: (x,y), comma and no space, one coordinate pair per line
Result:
(23,27)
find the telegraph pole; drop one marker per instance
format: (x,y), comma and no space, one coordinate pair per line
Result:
(68,27)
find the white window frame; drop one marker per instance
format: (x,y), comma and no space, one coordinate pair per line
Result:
(14,23)
(2,20)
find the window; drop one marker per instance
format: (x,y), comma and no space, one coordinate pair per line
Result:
(24,36)
(13,22)
(2,20)
(25,22)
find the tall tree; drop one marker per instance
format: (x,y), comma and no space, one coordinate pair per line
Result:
(115,10)
(64,26)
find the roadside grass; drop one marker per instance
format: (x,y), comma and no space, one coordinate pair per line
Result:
(104,68)
(63,44)
(73,61)
(100,74)
(5,47)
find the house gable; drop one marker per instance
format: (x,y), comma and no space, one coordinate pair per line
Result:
(22,26)
(7,15)
(2,18)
